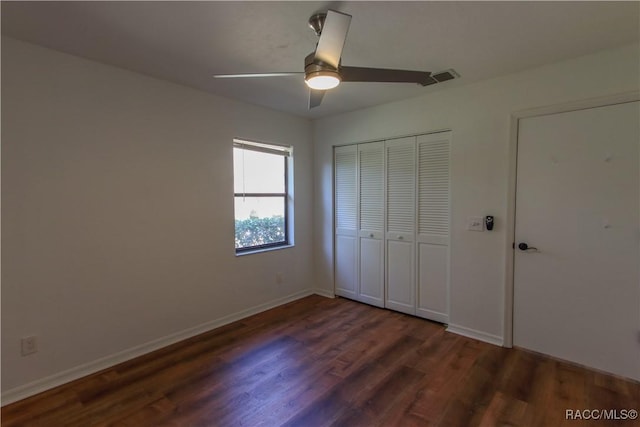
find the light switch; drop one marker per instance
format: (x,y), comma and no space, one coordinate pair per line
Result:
(475,223)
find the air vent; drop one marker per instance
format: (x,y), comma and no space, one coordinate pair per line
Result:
(431,81)
(443,76)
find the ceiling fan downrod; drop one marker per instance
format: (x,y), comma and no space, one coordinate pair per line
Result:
(316,22)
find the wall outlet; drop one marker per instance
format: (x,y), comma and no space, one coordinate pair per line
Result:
(475,223)
(29,345)
(279,278)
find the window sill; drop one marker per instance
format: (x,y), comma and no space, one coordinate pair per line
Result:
(257,251)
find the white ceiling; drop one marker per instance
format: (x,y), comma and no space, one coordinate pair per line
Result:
(188,42)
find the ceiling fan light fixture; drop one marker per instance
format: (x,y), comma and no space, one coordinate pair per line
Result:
(322,80)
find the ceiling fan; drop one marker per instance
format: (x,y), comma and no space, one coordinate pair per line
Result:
(323,69)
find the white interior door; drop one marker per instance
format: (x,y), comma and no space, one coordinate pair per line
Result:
(577,296)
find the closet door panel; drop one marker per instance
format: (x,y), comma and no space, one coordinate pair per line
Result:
(371,222)
(433,157)
(346,221)
(400,232)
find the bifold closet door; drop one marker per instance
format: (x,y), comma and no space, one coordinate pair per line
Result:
(400,232)
(371,223)
(346,221)
(433,226)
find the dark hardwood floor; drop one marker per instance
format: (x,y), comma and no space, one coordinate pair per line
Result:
(321,362)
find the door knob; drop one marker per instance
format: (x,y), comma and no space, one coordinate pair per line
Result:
(524,247)
(371,235)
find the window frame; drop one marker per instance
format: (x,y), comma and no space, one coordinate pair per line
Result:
(286,152)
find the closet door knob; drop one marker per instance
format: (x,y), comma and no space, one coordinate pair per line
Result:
(371,235)
(400,237)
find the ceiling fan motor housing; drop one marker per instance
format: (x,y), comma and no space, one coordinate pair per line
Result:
(315,67)
(311,64)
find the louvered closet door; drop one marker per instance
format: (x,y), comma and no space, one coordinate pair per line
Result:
(401,218)
(433,226)
(371,231)
(346,221)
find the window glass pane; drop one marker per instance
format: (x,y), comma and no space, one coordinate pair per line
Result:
(259,221)
(256,172)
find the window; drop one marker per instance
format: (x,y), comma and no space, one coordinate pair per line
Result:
(261,189)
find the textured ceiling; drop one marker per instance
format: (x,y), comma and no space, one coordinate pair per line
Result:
(188,42)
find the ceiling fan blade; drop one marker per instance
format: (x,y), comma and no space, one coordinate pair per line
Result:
(236,76)
(361,74)
(332,38)
(315,97)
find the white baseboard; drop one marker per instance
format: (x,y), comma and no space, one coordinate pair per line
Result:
(324,293)
(433,315)
(43,384)
(475,334)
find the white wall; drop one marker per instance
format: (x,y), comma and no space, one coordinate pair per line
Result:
(479,116)
(117,214)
